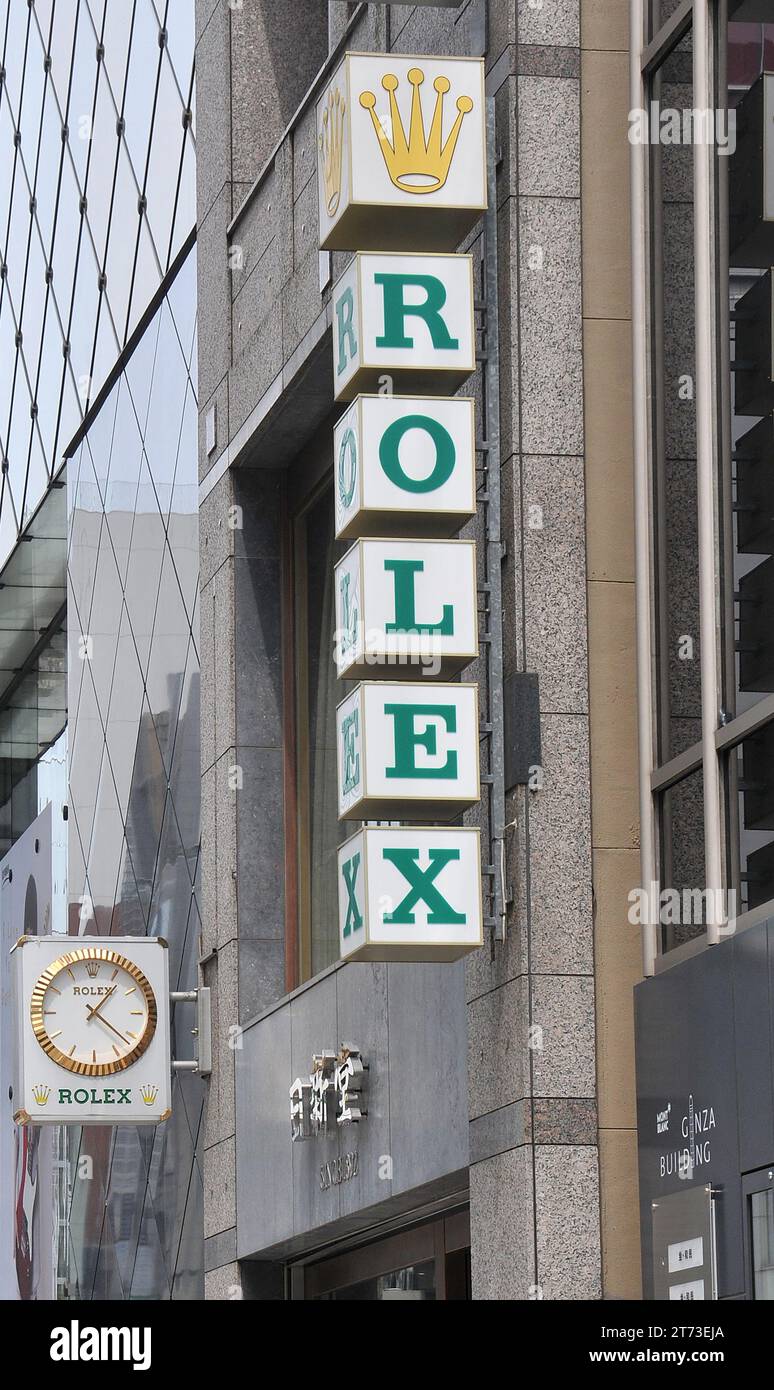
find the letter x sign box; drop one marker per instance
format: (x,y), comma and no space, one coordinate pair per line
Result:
(406,317)
(407,607)
(405,465)
(407,751)
(409,894)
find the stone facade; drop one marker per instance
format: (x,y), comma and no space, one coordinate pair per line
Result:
(552,1170)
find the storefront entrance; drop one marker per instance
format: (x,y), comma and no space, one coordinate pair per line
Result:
(431,1261)
(758,1190)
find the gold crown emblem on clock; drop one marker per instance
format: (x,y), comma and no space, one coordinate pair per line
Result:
(92,968)
(41,1094)
(417,162)
(149,1094)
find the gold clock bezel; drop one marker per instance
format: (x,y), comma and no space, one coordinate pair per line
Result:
(106,955)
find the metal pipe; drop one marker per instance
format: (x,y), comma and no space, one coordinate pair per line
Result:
(703,99)
(642,510)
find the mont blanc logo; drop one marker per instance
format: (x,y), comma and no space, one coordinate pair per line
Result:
(662,1120)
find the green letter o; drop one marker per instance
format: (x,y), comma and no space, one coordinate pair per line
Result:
(445,456)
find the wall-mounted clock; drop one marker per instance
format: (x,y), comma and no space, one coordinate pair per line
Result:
(93,1030)
(93,1011)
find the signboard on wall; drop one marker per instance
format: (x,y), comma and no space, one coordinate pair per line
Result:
(402,158)
(408,317)
(407,750)
(92,1030)
(684,1260)
(402,175)
(404,465)
(405,890)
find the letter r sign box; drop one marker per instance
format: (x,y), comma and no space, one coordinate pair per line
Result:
(409,894)
(407,317)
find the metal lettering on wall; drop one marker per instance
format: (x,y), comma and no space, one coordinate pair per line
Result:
(332,1095)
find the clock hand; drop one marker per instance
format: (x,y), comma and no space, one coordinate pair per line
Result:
(102,1019)
(92,1011)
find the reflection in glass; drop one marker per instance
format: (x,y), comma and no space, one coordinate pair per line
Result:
(412,1282)
(135,780)
(762,1204)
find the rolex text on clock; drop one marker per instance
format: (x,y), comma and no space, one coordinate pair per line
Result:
(93,1027)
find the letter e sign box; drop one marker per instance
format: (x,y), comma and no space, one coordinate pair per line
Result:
(407,751)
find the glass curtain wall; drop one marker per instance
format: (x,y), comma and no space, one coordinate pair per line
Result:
(97,196)
(738,449)
(133,562)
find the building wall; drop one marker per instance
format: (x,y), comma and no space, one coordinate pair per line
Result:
(612,654)
(535,1079)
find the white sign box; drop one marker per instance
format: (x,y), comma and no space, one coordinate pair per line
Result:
(92,1023)
(405,465)
(406,317)
(401,152)
(410,894)
(405,607)
(407,751)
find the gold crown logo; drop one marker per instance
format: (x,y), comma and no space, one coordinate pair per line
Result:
(92,968)
(41,1094)
(332,148)
(149,1094)
(419,164)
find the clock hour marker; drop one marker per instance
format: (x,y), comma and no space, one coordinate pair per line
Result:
(58,1034)
(49,1011)
(133,990)
(55,990)
(115,1049)
(72,1049)
(130,1034)
(70,973)
(93,1055)
(136,1013)
(113,976)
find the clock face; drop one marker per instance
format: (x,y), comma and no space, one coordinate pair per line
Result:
(93,1011)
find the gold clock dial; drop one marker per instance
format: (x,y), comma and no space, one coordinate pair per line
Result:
(93,1011)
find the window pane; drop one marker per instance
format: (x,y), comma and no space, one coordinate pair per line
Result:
(683,905)
(320,693)
(762,1205)
(750,780)
(675,502)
